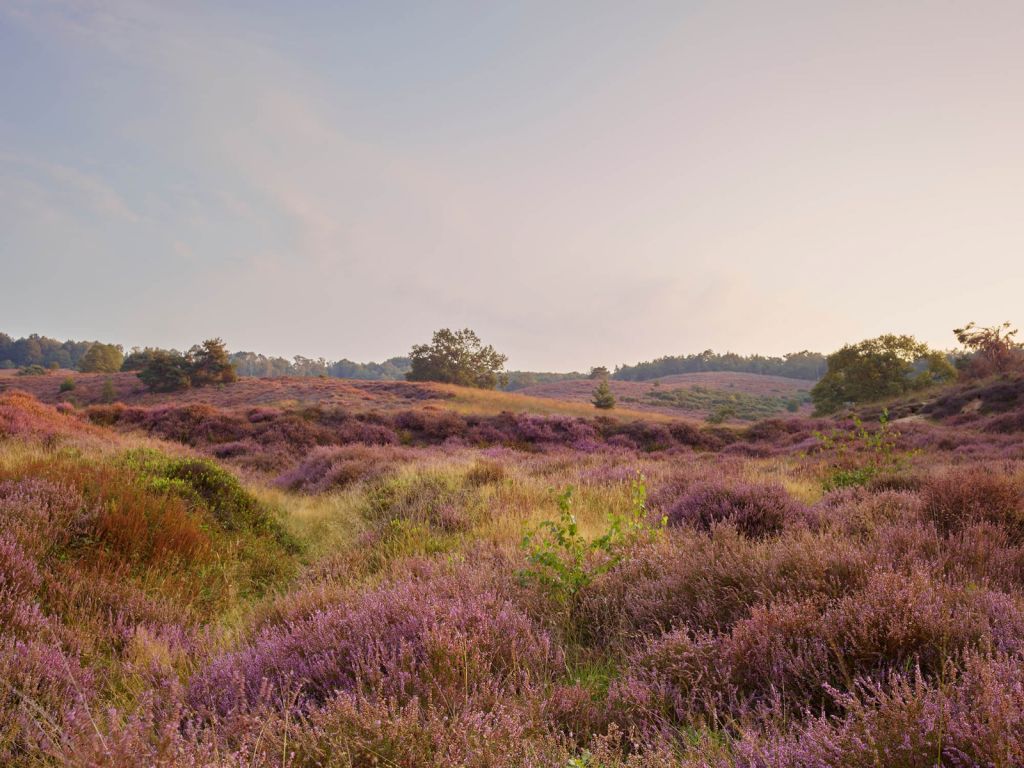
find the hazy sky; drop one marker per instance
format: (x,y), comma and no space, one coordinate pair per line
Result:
(581,182)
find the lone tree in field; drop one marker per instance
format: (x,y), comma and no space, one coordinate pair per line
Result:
(166,371)
(878,368)
(210,364)
(170,371)
(603,397)
(457,357)
(102,358)
(990,351)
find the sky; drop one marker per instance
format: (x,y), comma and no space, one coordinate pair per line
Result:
(582,183)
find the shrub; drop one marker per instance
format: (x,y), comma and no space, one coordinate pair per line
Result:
(756,510)
(565,562)
(326,468)
(603,397)
(68,385)
(438,637)
(959,498)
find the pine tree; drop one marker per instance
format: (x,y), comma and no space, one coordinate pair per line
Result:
(603,397)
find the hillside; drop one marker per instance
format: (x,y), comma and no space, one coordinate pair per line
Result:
(337,573)
(352,394)
(695,395)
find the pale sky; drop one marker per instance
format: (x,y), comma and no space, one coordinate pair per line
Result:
(582,183)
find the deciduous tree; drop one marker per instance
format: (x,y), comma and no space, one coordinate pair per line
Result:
(102,358)
(457,357)
(887,366)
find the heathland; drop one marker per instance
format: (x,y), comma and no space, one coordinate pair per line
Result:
(322,572)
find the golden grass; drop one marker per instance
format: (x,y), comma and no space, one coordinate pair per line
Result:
(489,402)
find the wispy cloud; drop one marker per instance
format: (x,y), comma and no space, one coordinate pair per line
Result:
(88,190)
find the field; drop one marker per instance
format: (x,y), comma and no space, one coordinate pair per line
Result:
(329,573)
(746,396)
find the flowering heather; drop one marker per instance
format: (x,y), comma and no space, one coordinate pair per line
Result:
(158,609)
(436,638)
(325,468)
(755,510)
(959,498)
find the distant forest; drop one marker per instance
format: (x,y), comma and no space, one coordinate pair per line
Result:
(39,350)
(795,365)
(52,353)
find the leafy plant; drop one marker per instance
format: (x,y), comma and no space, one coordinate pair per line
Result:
(860,454)
(565,562)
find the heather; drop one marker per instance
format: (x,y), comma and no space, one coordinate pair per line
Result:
(289,584)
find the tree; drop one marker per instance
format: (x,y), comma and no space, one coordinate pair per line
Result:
(990,351)
(873,369)
(102,358)
(166,372)
(603,397)
(598,372)
(139,358)
(210,364)
(457,357)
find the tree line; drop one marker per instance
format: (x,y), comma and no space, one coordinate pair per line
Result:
(806,365)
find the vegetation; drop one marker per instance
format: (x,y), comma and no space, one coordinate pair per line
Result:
(166,371)
(989,351)
(603,397)
(457,357)
(209,364)
(878,368)
(40,350)
(102,358)
(739,405)
(33,370)
(796,365)
(271,584)
(268,585)
(516,380)
(170,371)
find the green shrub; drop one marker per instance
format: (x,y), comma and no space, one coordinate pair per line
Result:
(564,562)
(68,385)
(603,397)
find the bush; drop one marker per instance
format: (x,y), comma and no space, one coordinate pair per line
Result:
(603,397)
(960,498)
(442,637)
(68,385)
(756,510)
(326,469)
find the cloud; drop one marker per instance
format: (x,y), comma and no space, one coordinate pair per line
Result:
(87,190)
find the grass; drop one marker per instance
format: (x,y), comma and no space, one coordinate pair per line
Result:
(722,404)
(492,402)
(201,605)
